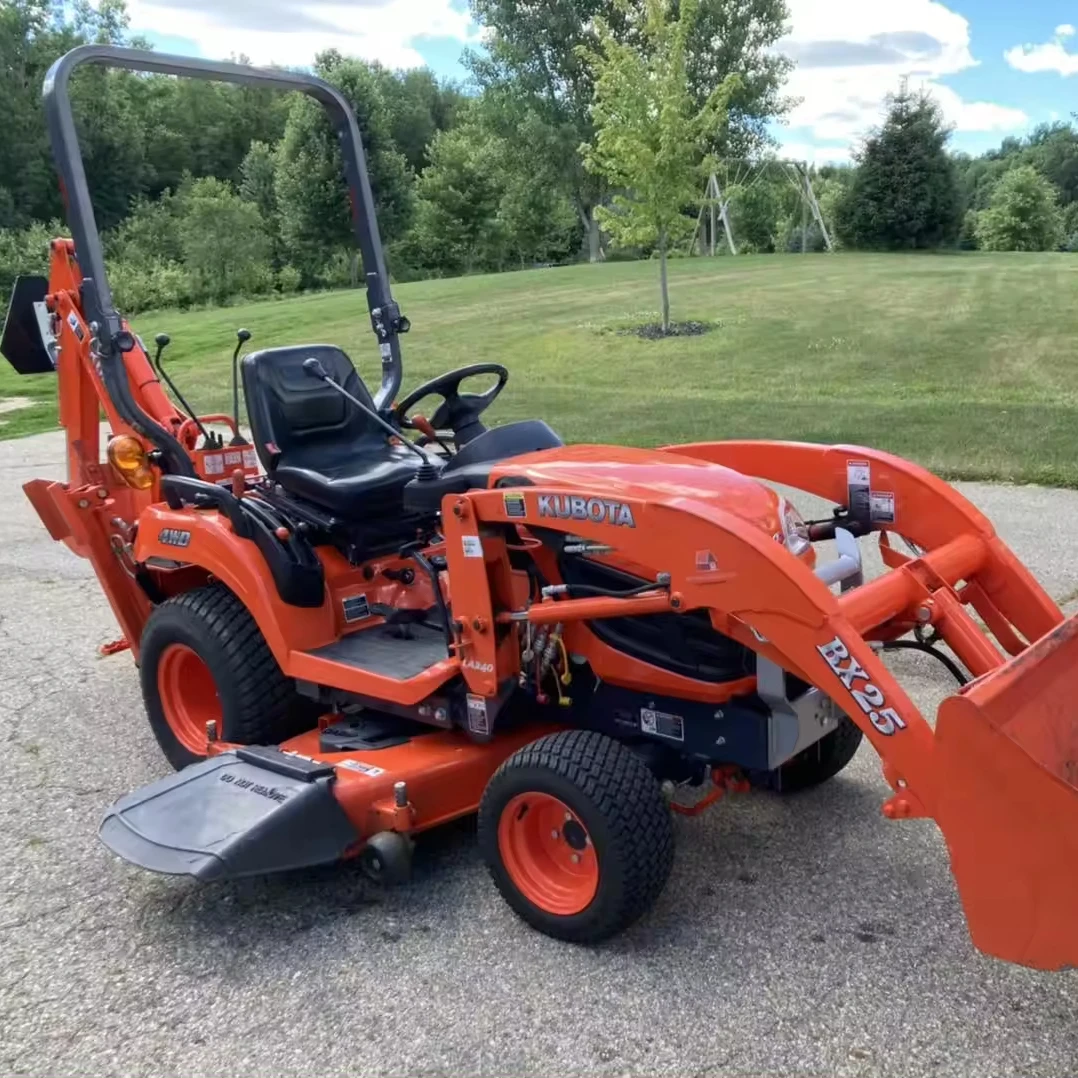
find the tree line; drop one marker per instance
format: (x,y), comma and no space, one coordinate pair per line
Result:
(206,191)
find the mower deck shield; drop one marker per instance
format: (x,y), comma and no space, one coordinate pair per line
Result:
(1007,752)
(228,816)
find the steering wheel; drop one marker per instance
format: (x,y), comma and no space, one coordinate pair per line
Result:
(458,412)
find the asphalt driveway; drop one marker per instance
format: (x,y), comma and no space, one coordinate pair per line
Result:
(799,936)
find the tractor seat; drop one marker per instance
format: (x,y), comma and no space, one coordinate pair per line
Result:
(314,443)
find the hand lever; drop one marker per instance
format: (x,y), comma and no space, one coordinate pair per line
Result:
(314,368)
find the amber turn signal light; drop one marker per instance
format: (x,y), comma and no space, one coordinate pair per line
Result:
(128,456)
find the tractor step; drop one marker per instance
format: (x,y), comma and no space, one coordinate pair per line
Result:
(378,651)
(245,812)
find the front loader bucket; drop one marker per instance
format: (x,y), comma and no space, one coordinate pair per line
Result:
(1008,802)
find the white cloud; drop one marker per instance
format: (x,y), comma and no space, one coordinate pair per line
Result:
(1049,57)
(816,154)
(292,32)
(851,53)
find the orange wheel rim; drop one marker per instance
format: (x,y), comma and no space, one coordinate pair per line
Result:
(188,696)
(548,854)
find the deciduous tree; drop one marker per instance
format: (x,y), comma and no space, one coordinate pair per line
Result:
(650,135)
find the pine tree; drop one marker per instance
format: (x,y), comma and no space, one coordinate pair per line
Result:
(905,192)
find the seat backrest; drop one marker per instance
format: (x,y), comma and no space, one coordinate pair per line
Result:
(295,416)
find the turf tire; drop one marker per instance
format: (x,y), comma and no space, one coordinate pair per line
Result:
(620,804)
(258,704)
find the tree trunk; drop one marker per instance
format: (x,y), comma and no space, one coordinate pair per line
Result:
(595,252)
(662,281)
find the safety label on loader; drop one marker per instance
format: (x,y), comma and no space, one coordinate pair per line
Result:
(858,484)
(881,506)
(514,505)
(472,546)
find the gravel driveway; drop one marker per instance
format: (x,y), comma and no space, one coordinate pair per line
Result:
(798,936)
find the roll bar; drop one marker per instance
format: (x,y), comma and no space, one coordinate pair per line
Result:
(386,318)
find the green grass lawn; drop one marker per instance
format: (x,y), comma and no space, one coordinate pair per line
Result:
(965,363)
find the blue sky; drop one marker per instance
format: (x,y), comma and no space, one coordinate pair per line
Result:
(997,67)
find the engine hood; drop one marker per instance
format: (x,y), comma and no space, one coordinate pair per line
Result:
(620,471)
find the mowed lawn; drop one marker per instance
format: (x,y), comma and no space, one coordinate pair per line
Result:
(965,363)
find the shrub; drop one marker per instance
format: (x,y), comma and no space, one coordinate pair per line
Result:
(288,279)
(25,251)
(1022,215)
(149,284)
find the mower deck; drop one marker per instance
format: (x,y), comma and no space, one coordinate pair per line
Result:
(249,810)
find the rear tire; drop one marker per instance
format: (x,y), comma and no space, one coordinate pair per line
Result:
(816,764)
(577,835)
(204,659)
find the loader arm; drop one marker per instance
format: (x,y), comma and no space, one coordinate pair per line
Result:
(998,774)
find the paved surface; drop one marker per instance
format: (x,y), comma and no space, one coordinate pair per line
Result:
(798,936)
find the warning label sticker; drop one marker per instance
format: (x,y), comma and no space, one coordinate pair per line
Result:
(882,506)
(858,484)
(478,722)
(356,608)
(662,723)
(214,464)
(364,769)
(706,562)
(473,546)
(514,505)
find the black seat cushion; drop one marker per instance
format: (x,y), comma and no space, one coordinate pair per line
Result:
(316,444)
(362,479)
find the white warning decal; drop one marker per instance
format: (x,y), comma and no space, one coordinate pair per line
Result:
(858,482)
(472,545)
(869,698)
(662,724)
(478,722)
(881,506)
(369,770)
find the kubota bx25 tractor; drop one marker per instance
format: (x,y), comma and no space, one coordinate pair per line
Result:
(362,622)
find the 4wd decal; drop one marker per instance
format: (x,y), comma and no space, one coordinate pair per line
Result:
(597,510)
(869,698)
(174,537)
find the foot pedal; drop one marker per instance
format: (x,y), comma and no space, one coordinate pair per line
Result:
(369,733)
(242,813)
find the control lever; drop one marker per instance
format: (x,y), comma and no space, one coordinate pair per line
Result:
(242,337)
(163,340)
(314,368)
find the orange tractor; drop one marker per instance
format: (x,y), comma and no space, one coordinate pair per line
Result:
(356,623)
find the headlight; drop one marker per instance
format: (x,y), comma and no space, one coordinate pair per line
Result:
(794,529)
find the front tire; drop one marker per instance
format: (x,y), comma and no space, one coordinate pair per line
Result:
(577,835)
(203,659)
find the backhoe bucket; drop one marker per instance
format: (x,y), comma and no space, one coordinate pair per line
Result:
(1008,802)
